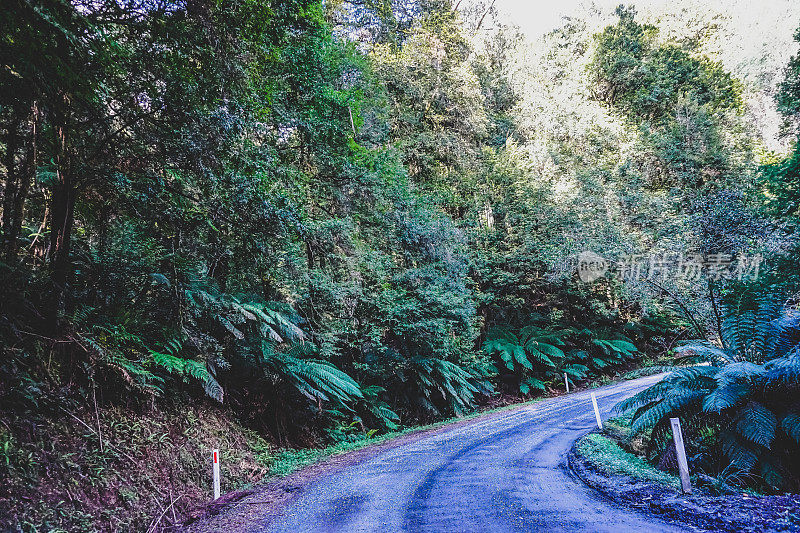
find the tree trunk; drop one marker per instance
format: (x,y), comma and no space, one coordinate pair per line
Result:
(24,181)
(12,179)
(62,214)
(717,315)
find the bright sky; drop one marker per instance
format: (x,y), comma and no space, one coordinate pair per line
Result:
(536,17)
(754,40)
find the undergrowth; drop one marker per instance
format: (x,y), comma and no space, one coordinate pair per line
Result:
(608,457)
(118,470)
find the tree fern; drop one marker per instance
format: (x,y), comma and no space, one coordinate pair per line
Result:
(757,424)
(530,384)
(726,396)
(620,348)
(374,404)
(745,392)
(439,386)
(530,351)
(737,450)
(791,425)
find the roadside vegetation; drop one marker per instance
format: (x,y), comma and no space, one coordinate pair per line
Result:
(607,456)
(301,225)
(739,408)
(614,462)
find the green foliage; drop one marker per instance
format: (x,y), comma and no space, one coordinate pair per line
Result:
(336,218)
(539,355)
(339,218)
(531,346)
(744,396)
(782,181)
(435,381)
(647,79)
(245,195)
(788,95)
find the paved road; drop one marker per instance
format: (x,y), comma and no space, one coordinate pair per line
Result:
(503,473)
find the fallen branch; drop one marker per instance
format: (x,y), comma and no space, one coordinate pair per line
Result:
(154,525)
(90,428)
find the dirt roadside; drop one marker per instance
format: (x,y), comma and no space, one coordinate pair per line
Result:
(261,504)
(700,511)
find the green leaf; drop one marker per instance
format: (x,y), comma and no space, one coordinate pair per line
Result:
(757,424)
(791,425)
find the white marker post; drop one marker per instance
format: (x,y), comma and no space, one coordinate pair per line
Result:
(215,460)
(566,381)
(596,412)
(683,465)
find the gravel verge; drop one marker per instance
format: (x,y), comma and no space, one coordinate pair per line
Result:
(698,511)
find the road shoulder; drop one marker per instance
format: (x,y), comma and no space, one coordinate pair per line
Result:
(699,511)
(252,509)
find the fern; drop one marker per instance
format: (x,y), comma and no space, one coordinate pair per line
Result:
(703,351)
(757,424)
(379,409)
(439,386)
(257,328)
(533,349)
(531,384)
(169,362)
(615,347)
(791,425)
(738,451)
(741,394)
(725,396)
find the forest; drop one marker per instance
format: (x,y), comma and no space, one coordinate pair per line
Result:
(328,220)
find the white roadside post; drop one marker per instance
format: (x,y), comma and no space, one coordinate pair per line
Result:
(215,460)
(683,465)
(352,124)
(596,411)
(566,381)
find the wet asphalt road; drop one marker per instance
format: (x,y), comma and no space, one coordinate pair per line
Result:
(503,473)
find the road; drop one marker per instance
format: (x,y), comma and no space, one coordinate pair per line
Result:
(502,473)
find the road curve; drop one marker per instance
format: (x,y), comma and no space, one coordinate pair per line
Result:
(501,473)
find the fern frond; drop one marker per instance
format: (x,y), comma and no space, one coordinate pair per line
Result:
(787,329)
(784,370)
(705,352)
(529,384)
(576,371)
(169,362)
(738,452)
(679,400)
(726,396)
(213,389)
(757,424)
(698,378)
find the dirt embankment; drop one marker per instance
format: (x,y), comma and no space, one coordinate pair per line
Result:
(700,510)
(67,467)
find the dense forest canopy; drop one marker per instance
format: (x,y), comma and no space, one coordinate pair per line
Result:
(323,214)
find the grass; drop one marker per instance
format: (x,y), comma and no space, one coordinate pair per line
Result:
(57,475)
(618,446)
(285,461)
(281,463)
(607,456)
